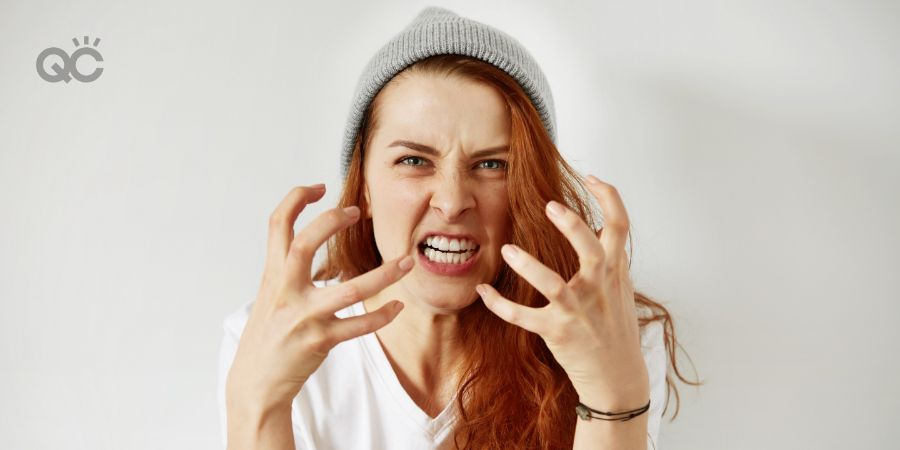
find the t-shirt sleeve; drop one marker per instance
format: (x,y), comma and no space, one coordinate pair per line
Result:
(653,349)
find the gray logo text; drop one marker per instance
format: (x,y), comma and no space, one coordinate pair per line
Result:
(69,68)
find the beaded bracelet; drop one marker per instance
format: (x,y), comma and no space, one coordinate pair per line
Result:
(584,413)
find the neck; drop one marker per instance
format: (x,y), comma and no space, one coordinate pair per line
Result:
(423,347)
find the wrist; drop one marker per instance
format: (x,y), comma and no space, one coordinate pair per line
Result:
(622,399)
(256,396)
(258,425)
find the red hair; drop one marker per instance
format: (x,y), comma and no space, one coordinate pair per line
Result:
(512,392)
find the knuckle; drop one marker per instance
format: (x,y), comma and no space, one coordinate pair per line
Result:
(593,259)
(387,276)
(277,218)
(363,326)
(560,336)
(317,340)
(557,290)
(608,189)
(609,270)
(513,315)
(336,216)
(620,225)
(350,292)
(300,249)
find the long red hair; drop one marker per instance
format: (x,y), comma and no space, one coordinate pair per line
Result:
(512,392)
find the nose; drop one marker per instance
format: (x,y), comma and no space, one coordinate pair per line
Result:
(451,196)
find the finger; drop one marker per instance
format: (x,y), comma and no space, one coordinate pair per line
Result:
(335,298)
(303,248)
(351,327)
(625,261)
(545,280)
(580,235)
(281,222)
(615,217)
(512,312)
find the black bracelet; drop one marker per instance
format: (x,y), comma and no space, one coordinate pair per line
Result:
(584,413)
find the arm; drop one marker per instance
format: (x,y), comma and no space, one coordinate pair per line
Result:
(252,425)
(247,423)
(641,432)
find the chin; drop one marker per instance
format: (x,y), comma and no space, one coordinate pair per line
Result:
(448,296)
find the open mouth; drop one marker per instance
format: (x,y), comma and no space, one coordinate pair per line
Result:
(441,250)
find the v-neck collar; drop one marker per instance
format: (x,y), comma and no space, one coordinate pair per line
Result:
(432,427)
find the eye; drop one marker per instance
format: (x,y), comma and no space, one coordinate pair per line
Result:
(498,164)
(409,158)
(500,161)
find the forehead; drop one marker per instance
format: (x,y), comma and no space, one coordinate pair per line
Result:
(443,111)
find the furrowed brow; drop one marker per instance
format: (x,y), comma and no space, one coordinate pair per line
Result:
(431,151)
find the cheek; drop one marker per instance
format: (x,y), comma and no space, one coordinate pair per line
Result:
(397,203)
(498,226)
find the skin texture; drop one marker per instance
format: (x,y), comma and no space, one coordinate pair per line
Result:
(452,192)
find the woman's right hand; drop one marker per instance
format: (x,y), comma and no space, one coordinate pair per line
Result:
(292,325)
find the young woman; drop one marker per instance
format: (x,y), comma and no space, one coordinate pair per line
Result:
(467,300)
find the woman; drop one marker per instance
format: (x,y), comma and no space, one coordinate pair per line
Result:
(466,301)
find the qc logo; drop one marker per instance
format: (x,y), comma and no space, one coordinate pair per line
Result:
(69,68)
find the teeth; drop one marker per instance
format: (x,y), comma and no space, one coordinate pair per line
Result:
(448,258)
(450,245)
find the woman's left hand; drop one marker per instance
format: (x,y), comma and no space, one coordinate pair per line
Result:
(590,324)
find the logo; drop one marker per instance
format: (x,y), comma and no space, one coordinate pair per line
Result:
(69,68)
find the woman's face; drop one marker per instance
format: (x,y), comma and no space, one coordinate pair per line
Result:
(456,189)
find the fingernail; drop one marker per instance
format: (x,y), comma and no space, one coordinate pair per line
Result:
(480,290)
(398,306)
(555,208)
(318,187)
(592,179)
(406,263)
(352,211)
(509,251)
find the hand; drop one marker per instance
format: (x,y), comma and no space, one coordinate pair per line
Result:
(292,325)
(590,324)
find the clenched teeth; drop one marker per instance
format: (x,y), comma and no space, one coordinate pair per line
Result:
(447,257)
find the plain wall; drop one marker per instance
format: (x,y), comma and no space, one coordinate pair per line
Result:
(755,144)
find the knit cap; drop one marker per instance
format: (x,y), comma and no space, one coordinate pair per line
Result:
(437,31)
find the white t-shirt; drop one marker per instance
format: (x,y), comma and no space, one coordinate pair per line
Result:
(354,400)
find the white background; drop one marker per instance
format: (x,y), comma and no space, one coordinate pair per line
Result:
(755,143)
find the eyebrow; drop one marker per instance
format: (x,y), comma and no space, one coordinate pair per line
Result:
(431,151)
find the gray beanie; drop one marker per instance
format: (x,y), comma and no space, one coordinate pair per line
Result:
(437,31)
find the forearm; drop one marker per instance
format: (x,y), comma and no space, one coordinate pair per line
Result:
(597,434)
(259,427)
